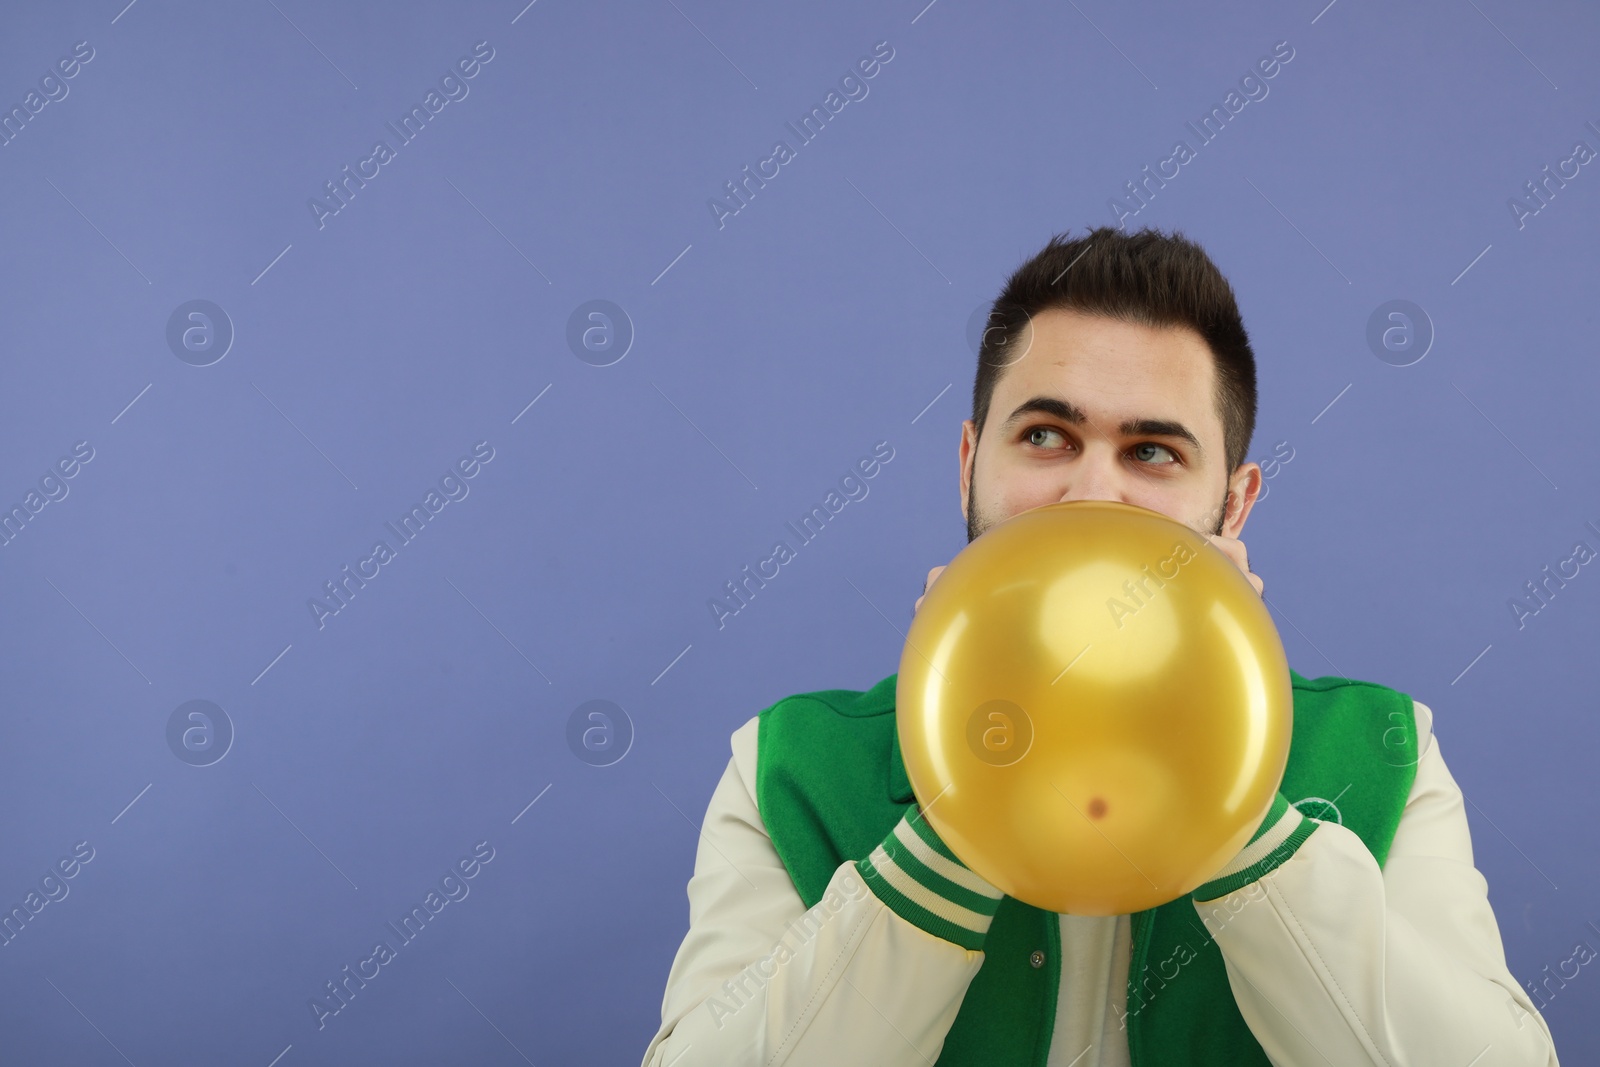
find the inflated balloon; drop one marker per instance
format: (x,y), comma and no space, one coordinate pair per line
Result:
(1094,707)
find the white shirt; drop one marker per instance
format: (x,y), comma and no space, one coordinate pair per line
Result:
(1331,960)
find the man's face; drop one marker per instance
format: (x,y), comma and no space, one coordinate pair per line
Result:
(1091,408)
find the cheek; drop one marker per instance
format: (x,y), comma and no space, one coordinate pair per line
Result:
(1005,483)
(1194,512)
(1011,490)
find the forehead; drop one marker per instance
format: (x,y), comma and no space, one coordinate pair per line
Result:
(1113,370)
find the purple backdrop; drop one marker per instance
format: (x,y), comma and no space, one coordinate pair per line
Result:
(244,344)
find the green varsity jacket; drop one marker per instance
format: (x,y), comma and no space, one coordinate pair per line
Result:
(831,786)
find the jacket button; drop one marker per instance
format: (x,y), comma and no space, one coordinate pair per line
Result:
(1037,959)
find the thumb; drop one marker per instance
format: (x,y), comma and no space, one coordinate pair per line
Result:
(926,585)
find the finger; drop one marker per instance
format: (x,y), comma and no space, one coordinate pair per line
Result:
(927,582)
(1233,548)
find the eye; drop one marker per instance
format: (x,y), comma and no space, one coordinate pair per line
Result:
(1031,433)
(1164,448)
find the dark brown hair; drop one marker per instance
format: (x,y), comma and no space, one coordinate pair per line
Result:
(1146,277)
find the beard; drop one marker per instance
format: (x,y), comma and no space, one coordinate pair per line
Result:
(978,523)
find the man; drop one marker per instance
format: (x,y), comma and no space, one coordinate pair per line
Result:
(829,925)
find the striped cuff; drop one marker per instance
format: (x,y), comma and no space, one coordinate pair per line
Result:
(1280,834)
(917,876)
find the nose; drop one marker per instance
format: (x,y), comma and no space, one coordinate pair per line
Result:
(1095,477)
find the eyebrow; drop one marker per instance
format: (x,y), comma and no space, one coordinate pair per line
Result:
(1068,412)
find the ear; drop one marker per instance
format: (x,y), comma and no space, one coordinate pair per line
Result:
(969,455)
(1243,488)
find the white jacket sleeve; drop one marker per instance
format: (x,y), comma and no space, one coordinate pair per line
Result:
(760,980)
(1333,960)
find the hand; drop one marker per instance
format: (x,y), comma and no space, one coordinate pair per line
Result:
(933,574)
(1234,549)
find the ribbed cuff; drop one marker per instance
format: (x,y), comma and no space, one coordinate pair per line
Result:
(917,876)
(1278,837)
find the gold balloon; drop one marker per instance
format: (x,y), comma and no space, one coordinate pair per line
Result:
(1094,707)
